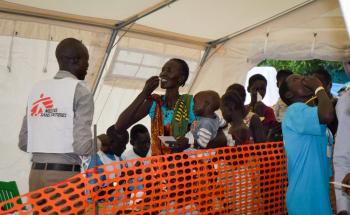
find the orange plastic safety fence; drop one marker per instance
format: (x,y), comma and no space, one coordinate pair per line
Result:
(248,179)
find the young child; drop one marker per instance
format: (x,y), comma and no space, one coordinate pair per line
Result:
(275,133)
(257,86)
(141,142)
(113,144)
(281,107)
(245,127)
(206,124)
(306,144)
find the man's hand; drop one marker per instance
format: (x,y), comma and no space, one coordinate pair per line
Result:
(346,181)
(312,83)
(151,84)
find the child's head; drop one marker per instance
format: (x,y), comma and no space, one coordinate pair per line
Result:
(206,103)
(282,75)
(140,139)
(232,105)
(257,84)
(117,141)
(294,90)
(239,89)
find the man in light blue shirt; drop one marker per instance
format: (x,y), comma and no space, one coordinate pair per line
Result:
(305,137)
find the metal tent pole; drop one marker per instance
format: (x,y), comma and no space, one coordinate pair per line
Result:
(203,60)
(105,58)
(121,25)
(144,13)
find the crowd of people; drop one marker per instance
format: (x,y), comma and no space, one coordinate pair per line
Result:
(307,118)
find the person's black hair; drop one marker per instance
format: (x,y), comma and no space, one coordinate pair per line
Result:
(137,129)
(119,136)
(254,78)
(184,68)
(239,89)
(69,48)
(283,73)
(284,88)
(324,74)
(233,98)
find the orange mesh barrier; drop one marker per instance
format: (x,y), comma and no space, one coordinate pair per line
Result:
(249,179)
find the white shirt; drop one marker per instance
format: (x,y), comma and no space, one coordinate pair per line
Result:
(130,154)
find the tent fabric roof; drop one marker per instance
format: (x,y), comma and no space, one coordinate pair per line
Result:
(315,31)
(198,18)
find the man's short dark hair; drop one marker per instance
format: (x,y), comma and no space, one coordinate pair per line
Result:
(323,73)
(283,73)
(254,78)
(69,48)
(239,89)
(120,136)
(137,129)
(184,68)
(284,88)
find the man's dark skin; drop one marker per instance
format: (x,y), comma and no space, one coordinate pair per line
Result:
(328,86)
(73,56)
(141,144)
(301,89)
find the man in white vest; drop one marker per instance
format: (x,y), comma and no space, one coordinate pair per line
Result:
(57,125)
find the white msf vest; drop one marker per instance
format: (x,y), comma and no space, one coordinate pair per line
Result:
(50,116)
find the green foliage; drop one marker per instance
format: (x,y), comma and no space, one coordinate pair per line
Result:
(305,67)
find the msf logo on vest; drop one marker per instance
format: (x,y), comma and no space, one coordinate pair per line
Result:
(44,107)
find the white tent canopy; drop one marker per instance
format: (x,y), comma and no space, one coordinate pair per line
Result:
(212,19)
(221,40)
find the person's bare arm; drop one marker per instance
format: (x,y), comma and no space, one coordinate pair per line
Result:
(23,135)
(257,129)
(325,107)
(139,108)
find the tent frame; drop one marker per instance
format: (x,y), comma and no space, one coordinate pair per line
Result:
(120,26)
(210,46)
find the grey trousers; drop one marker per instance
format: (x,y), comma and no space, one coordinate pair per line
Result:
(342,199)
(43,178)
